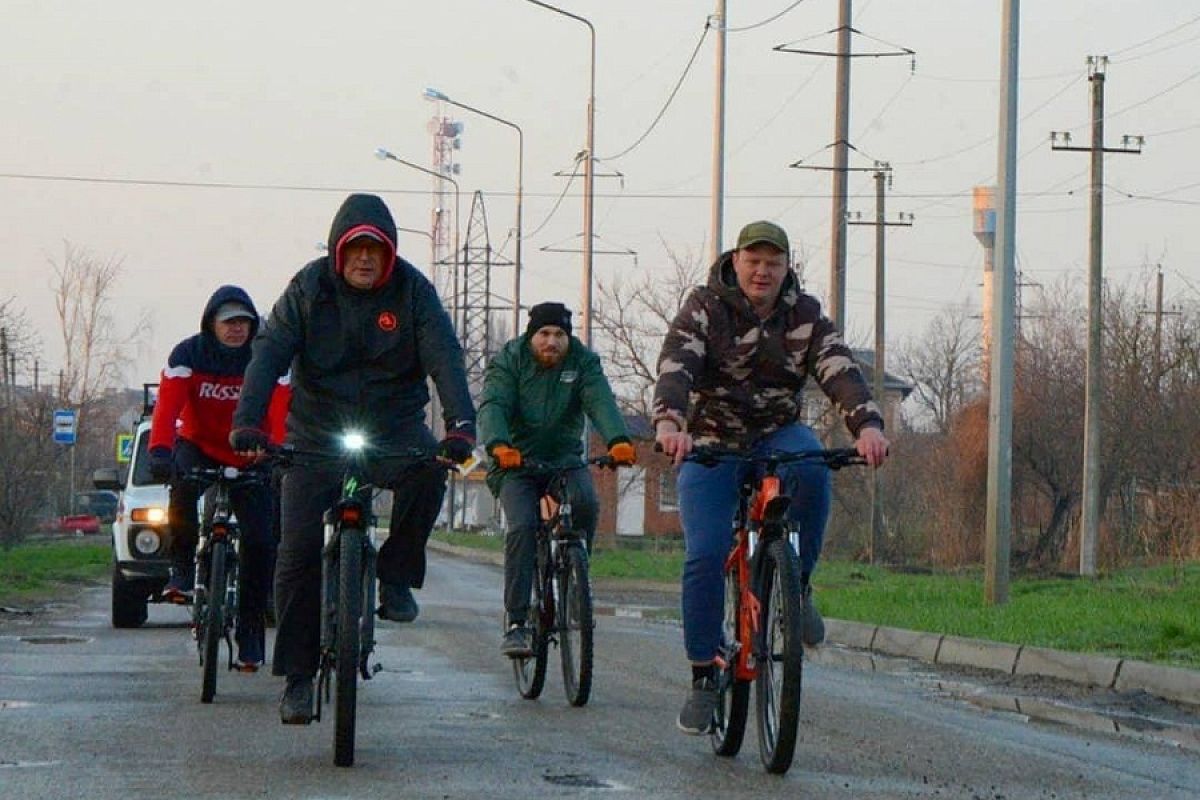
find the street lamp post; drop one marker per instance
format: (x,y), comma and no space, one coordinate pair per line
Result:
(384,154)
(434,94)
(588,173)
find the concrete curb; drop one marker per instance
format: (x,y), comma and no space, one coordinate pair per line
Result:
(1177,684)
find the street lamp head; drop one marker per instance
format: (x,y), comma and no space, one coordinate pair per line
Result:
(434,94)
(383,154)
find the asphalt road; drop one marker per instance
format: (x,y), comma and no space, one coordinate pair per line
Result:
(87,711)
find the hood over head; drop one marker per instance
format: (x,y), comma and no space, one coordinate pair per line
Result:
(363,215)
(228,294)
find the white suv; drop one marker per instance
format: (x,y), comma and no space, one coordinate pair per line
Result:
(140,536)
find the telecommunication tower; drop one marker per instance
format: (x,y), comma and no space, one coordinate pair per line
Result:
(446,134)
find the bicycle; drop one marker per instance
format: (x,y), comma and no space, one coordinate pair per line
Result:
(761,639)
(216,602)
(348,564)
(561,609)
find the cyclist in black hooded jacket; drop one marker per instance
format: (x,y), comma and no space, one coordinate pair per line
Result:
(361,330)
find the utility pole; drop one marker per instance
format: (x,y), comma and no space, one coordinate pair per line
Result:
(841,158)
(717,21)
(1061,140)
(1159,313)
(841,153)
(998,536)
(883,173)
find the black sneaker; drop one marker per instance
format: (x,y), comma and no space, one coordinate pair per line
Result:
(295,707)
(397,602)
(811,625)
(516,642)
(251,642)
(180,585)
(696,716)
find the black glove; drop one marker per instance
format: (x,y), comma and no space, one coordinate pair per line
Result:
(244,440)
(459,443)
(161,464)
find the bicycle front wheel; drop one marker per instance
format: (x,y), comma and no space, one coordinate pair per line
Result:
(781,658)
(349,610)
(576,624)
(530,672)
(729,722)
(212,620)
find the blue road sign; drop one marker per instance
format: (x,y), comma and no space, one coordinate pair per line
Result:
(124,447)
(64,426)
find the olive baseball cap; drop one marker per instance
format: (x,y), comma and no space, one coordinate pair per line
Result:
(763,232)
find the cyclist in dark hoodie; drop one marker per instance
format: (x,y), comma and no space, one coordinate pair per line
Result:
(198,391)
(361,330)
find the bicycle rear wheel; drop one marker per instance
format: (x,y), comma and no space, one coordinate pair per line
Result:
(349,610)
(576,624)
(729,724)
(212,620)
(530,672)
(781,659)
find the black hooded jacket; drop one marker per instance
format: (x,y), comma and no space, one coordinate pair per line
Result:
(359,359)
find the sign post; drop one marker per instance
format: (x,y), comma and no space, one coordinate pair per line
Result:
(64,433)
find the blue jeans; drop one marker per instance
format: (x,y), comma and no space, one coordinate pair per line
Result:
(708,498)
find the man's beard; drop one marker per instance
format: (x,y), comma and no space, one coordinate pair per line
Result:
(548,359)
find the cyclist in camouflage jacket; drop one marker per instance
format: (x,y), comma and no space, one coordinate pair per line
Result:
(731,374)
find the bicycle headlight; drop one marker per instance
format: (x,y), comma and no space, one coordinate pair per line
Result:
(353,441)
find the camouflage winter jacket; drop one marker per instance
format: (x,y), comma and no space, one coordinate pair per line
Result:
(735,378)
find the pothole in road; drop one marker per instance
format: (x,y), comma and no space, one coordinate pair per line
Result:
(577,781)
(59,639)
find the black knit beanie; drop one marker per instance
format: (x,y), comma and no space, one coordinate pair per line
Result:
(544,314)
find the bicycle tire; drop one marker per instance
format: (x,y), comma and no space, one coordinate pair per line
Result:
(576,624)
(349,610)
(530,672)
(781,661)
(733,695)
(212,621)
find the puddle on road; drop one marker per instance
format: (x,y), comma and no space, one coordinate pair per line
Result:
(634,612)
(55,639)
(7,704)
(577,780)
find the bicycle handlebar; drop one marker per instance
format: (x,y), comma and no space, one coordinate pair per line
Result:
(533,465)
(834,458)
(416,456)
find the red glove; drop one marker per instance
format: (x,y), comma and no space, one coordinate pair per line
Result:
(506,457)
(623,454)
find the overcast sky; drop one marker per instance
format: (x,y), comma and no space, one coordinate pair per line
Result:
(299,94)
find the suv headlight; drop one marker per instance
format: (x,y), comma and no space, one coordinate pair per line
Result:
(146,541)
(152,515)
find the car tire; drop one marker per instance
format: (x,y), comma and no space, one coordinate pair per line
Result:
(129,600)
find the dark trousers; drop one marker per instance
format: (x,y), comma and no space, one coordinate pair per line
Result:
(251,504)
(307,492)
(519,496)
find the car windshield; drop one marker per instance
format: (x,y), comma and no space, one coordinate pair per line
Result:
(141,462)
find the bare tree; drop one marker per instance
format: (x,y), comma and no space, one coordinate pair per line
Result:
(942,363)
(633,318)
(95,352)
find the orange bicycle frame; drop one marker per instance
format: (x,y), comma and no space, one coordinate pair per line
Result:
(749,608)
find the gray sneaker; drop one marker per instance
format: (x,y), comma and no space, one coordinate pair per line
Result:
(696,716)
(811,624)
(296,705)
(515,643)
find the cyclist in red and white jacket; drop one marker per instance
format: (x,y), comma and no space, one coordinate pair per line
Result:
(198,392)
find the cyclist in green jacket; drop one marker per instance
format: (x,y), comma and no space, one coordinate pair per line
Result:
(536,392)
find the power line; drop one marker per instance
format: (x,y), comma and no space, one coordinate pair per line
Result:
(670,99)
(1156,37)
(766,21)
